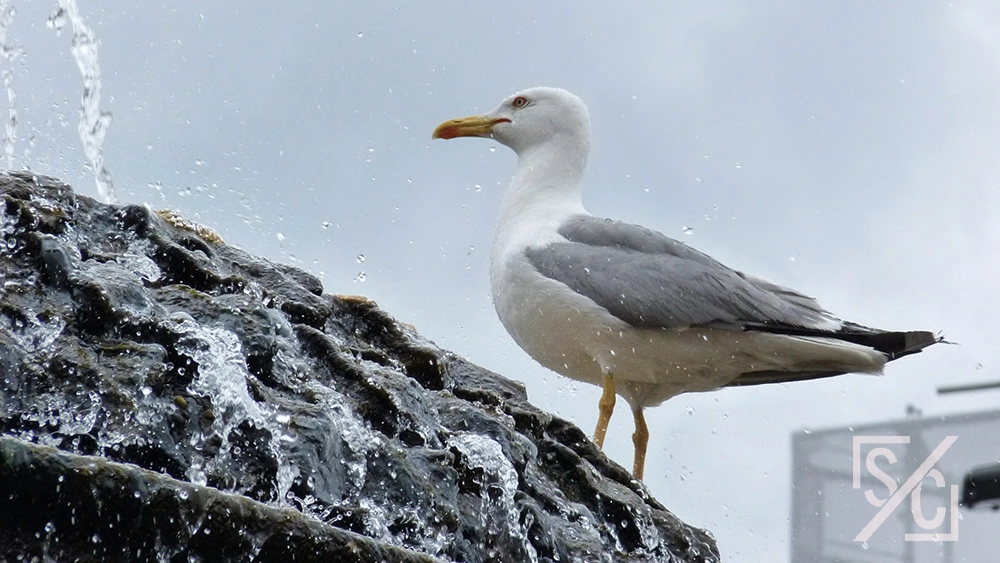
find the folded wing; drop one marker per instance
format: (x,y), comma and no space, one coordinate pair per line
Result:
(649,280)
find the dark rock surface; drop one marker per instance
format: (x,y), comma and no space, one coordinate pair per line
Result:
(235,412)
(90,509)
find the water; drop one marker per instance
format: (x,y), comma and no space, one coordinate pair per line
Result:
(359,439)
(222,376)
(71,417)
(498,475)
(94,123)
(36,334)
(137,261)
(9,54)
(8,226)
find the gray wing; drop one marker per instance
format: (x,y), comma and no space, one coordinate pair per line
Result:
(650,280)
(605,232)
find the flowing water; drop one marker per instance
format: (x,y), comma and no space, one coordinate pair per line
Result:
(94,122)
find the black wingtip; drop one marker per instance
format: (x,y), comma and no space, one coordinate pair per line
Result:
(912,343)
(894,344)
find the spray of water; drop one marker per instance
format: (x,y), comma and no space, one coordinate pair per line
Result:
(9,54)
(93,122)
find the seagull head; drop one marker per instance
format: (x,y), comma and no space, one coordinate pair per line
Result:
(526,120)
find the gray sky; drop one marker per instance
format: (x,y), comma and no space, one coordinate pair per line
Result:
(846,149)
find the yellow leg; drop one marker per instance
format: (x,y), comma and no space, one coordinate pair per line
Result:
(640,439)
(606,406)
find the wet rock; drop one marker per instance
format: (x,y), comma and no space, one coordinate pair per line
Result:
(257,417)
(90,509)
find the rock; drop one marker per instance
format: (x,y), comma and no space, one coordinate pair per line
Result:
(204,403)
(91,509)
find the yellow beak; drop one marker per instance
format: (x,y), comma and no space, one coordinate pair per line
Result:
(472,126)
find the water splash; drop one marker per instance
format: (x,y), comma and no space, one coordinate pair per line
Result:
(137,260)
(94,123)
(8,227)
(499,481)
(9,53)
(34,333)
(222,376)
(70,416)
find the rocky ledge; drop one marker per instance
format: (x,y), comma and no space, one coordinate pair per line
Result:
(165,396)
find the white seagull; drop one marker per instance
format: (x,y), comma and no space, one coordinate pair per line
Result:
(629,309)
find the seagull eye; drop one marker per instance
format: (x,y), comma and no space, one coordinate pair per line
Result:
(519,102)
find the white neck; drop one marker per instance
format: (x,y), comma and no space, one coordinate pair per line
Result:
(548,183)
(545,190)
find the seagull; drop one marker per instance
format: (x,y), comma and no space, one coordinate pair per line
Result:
(628,309)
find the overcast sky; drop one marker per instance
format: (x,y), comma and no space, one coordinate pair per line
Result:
(847,149)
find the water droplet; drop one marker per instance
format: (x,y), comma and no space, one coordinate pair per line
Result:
(50,527)
(688,230)
(56,21)
(199,162)
(371,149)
(146,390)
(325,224)
(478,188)
(690,411)
(361,277)
(361,34)
(738,165)
(281,237)
(792,259)
(493,148)
(360,259)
